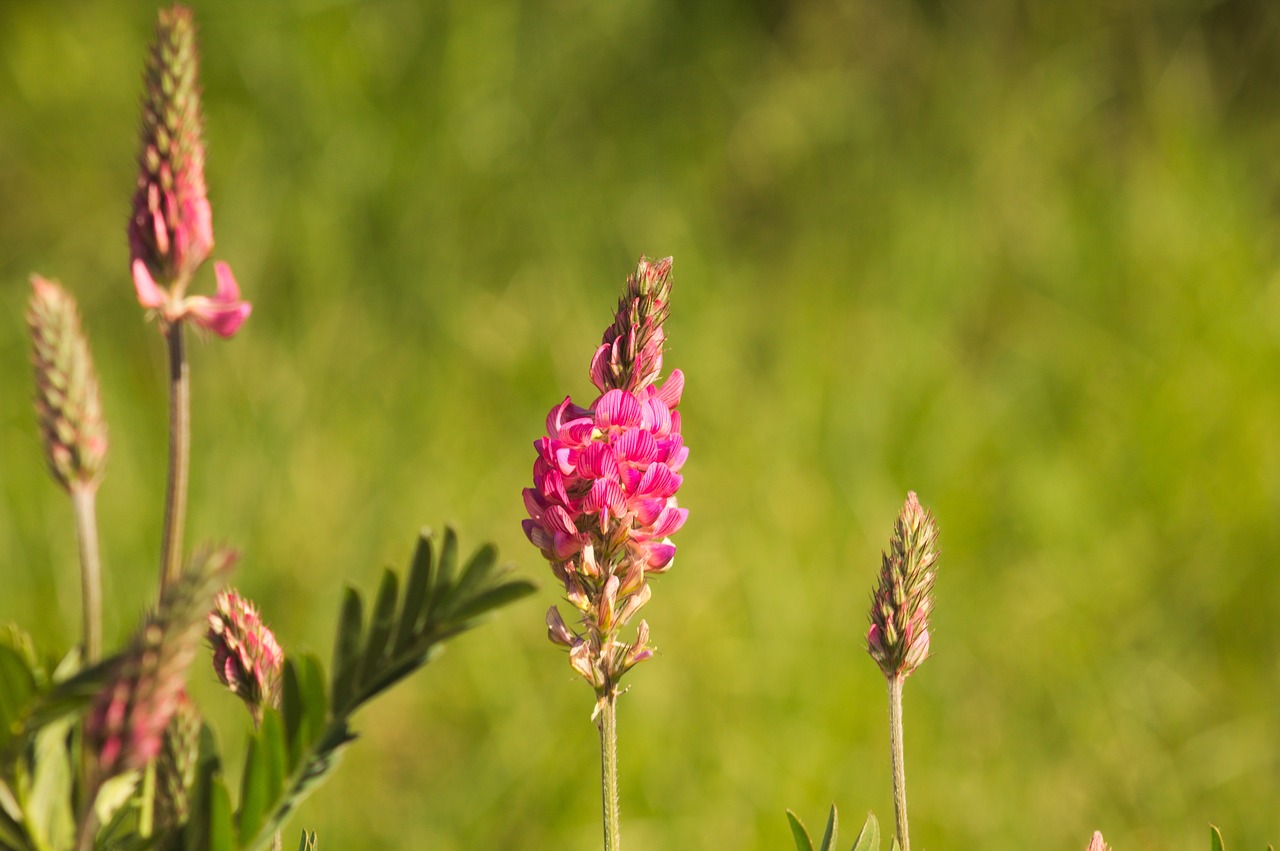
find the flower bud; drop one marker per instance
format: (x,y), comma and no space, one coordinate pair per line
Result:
(68,406)
(898,638)
(246,656)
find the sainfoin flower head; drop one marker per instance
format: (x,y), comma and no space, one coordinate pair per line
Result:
(67,401)
(898,639)
(171,225)
(1098,843)
(603,503)
(246,656)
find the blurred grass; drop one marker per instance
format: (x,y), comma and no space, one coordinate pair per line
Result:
(1022,258)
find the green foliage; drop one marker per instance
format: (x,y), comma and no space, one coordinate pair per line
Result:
(868,837)
(1216,843)
(296,746)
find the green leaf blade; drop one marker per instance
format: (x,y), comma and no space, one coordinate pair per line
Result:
(869,837)
(346,650)
(415,594)
(830,835)
(798,833)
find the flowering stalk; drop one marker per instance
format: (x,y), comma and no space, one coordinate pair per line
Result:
(603,503)
(171,236)
(898,639)
(127,719)
(72,430)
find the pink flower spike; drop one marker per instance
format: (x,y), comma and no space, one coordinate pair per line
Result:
(150,295)
(225,312)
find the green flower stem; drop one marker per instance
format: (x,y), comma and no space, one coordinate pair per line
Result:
(608,723)
(897,763)
(88,824)
(175,500)
(83,501)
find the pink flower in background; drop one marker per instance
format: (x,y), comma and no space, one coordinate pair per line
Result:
(223,314)
(171,227)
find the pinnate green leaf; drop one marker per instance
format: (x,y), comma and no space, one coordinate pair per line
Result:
(298,745)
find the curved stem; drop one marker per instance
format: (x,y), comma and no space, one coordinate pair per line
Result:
(175,500)
(897,762)
(608,724)
(83,500)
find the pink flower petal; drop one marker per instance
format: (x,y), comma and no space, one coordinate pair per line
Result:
(225,312)
(150,295)
(636,447)
(617,408)
(672,389)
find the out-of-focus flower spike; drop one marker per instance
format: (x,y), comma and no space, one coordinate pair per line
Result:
(171,226)
(898,638)
(171,229)
(246,656)
(127,719)
(67,401)
(176,766)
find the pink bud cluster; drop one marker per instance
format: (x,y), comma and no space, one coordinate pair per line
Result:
(246,656)
(171,227)
(603,503)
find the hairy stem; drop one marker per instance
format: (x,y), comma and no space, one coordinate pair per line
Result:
(897,763)
(608,722)
(175,499)
(83,501)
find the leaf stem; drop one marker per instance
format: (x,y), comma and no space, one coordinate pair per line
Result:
(897,762)
(83,501)
(175,500)
(608,723)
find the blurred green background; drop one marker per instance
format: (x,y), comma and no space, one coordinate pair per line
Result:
(1021,257)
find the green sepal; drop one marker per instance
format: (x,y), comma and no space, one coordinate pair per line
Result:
(307,842)
(869,837)
(1215,839)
